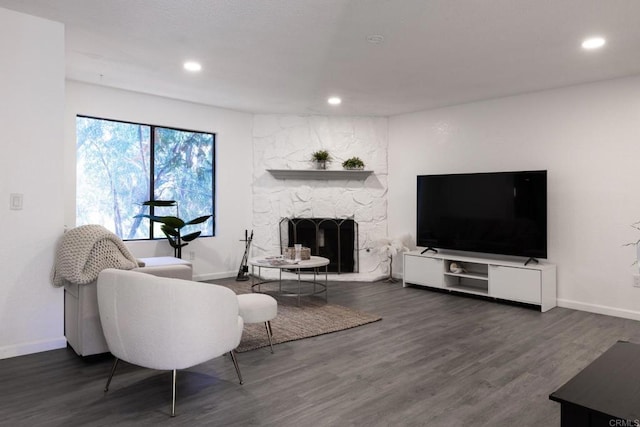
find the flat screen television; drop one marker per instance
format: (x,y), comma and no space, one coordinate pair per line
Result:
(496,213)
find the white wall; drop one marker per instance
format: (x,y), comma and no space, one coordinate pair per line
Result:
(587,137)
(217,256)
(31,112)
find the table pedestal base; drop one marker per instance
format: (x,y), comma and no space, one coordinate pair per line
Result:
(299,283)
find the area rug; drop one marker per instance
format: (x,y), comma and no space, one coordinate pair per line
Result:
(312,318)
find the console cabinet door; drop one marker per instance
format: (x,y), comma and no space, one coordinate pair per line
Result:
(419,270)
(516,284)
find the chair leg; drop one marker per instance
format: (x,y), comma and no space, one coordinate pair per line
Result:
(235,363)
(267,324)
(113,370)
(173,394)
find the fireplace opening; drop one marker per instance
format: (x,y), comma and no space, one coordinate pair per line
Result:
(332,238)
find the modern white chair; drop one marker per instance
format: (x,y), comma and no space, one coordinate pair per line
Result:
(166,324)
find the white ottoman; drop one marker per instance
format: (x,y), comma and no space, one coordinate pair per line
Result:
(258,308)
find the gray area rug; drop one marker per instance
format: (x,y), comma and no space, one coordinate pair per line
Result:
(312,318)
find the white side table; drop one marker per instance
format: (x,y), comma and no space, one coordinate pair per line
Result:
(315,263)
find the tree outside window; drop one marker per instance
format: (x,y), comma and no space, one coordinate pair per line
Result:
(120,165)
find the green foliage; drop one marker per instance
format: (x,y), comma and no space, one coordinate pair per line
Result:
(353,163)
(112,167)
(172,225)
(114,174)
(321,156)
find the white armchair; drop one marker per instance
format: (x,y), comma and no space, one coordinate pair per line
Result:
(166,324)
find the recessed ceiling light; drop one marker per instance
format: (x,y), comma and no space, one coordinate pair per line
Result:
(593,43)
(334,100)
(192,66)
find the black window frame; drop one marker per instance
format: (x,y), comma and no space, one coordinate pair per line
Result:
(152,138)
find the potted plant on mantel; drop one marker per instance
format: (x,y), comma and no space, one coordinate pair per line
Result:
(172,225)
(354,163)
(321,157)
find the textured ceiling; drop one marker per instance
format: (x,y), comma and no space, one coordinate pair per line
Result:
(288,56)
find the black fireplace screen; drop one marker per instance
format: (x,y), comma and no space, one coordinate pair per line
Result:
(336,239)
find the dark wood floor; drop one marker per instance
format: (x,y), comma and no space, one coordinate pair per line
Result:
(434,360)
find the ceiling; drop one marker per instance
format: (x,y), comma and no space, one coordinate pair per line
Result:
(289,56)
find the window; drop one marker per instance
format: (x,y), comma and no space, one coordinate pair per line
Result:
(120,165)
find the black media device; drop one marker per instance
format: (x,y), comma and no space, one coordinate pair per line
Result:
(497,213)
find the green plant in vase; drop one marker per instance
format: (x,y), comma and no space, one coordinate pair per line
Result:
(353,163)
(172,225)
(321,157)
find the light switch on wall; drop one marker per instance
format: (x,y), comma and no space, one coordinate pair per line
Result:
(15,201)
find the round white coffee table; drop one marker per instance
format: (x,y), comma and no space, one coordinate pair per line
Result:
(315,263)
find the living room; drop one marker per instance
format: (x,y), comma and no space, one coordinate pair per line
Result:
(583,132)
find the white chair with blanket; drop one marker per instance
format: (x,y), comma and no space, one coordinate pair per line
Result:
(166,324)
(83,252)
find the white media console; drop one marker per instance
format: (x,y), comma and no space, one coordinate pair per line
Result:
(506,280)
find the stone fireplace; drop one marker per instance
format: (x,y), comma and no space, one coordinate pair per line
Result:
(333,238)
(286,142)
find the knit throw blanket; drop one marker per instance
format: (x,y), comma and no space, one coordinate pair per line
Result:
(85,251)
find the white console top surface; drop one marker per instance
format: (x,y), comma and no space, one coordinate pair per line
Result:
(484,259)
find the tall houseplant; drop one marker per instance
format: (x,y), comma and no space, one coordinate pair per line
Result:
(172,225)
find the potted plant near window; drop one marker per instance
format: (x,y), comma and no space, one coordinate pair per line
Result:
(354,163)
(321,157)
(172,225)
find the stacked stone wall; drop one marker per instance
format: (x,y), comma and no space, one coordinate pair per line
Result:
(287,142)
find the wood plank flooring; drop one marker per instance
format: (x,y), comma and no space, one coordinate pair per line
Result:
(434,360)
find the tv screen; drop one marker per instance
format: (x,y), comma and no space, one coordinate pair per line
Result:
(499,213)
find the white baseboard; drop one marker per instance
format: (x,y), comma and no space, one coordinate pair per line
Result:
(32,347)
(600,309)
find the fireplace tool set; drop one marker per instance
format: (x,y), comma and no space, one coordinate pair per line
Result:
(243,271)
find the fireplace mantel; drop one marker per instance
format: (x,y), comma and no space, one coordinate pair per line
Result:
(320,173)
